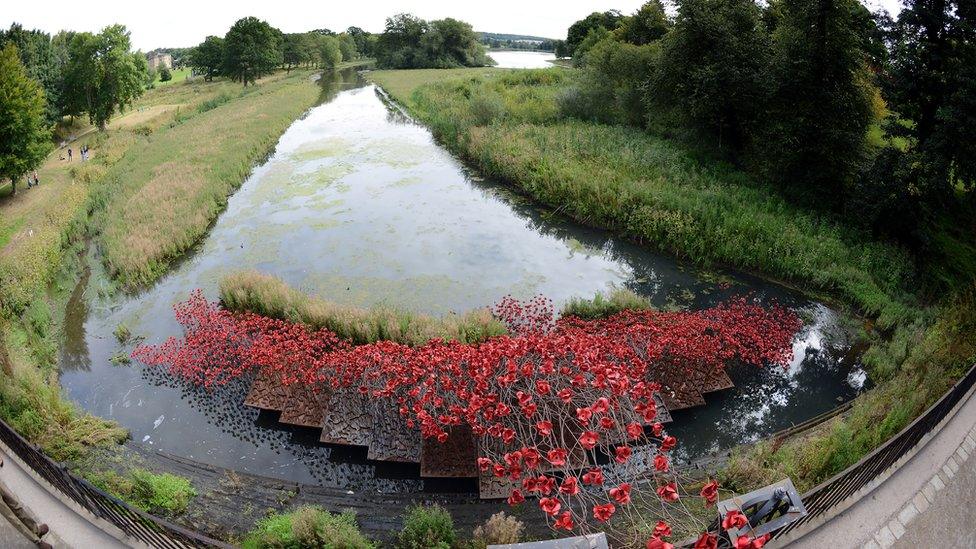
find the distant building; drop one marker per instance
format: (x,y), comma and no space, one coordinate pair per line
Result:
(157,60)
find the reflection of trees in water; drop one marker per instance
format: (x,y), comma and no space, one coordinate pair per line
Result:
(74,348)
(338,466)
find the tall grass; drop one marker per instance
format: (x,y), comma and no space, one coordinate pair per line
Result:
(604,305)
(270,296)
(162,196)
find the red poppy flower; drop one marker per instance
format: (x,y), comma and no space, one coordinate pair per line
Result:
(557,456)
(593,477)
(661,463)
(743,542)
(516,497)
(549,506)
(668,492)
(658,543)
(621,494)
(634,431)
(622,454)
(570,486)
(657,429)
(566,395)
(542,387)
(668,443)
(710,492)
(662,529)
(606,422)
(734,519)
(565,521)
(589,439)
(584,415)
(603,512)
(530,456)
(601,406)
(484,464)
(544,427)
(706,541)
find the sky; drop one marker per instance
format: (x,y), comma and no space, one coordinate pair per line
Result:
(183,23)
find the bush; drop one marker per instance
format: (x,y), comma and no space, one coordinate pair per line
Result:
(162,494)
(164,74)
(500,528)
(214,102)
(601,306)
(427,528)
(307,527)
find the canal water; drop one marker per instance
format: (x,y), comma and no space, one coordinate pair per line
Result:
(522,59)
(360,205)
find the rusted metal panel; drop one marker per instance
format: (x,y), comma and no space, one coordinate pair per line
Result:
(305,405)
(267,392)
(456,457)
(392,439)
(346,419)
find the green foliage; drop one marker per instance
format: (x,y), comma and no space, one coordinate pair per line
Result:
(647,25)
(409,42)
(602,306)
(579,30)
(427,528)
(330,53)
(821,101)
(160,494)
(252,49)
(307,527)
(164,74)
(347,44)
(102,76)
(214,102)
(24,133)
(44,59)
(269,296)
(712,73)
(208,57)
(611,86)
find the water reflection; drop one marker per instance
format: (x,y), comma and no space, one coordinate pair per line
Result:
(359,205)
(522,59)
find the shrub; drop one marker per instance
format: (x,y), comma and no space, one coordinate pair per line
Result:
(601,306)
(165,493)
(214,102)
(500,528)
(307,527)
(427,528)
(122,333)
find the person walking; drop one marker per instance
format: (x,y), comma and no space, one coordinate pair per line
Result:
(30,182)
(69,154)
(37,181)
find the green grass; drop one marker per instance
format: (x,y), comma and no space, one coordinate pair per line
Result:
(178,77)
(604,305)
(307,527)
(161,197)
(161,494)
(269,296)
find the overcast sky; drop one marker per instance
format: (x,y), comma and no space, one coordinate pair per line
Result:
(181,23)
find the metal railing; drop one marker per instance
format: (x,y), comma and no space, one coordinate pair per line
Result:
(138,524)
(845,484)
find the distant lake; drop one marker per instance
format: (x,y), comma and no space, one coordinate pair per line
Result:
(522,59)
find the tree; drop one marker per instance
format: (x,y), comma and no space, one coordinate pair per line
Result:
(164,74)
(410,42)
(103,76)
(43,62)
(208,58)
(252,49)
(399,45)
(933,84)
(25,136)
(362,40)
(291,50)
(821,101)
(650,23)
(713,68)
(579,30)
(347,45)
(330,54)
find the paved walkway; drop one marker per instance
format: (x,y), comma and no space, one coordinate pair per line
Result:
(930,501)
(68,528)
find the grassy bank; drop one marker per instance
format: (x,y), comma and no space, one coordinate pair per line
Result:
(162,196)
(657,192)
(271,297)
(159,174)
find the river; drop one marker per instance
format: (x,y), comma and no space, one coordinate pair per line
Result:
(360,205)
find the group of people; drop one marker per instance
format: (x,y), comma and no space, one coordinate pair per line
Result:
(83,150)
(33,180)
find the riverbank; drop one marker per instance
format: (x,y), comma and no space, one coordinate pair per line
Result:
(157,178)
(651,189)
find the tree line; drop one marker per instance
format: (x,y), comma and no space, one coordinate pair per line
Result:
(253,48)
(835,106)
(409,42)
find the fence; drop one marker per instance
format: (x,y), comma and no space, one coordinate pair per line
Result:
(830,493)
(142,526)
